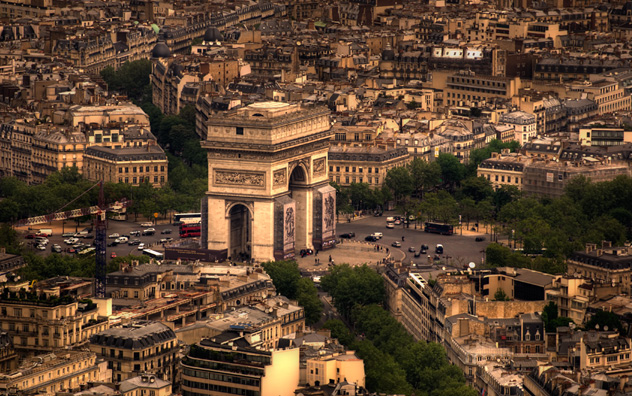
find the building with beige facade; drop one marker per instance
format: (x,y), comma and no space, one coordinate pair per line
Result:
(137,348)
(503,169)
(269,191)
(62,371)
(607,264)
(145,384)
(228,364)
(128,165)
(469,89)
(334,368)
(364,164)
(61,319)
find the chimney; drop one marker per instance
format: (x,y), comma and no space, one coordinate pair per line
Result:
(606,244)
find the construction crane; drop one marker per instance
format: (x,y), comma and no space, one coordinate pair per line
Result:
(100,226)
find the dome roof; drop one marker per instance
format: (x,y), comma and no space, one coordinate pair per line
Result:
(161,50)
(213,34)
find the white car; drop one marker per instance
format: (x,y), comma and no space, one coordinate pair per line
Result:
(71,241)
(122,239)
(141,246)
(377,235)
(390,225)
(115,235)
(147,224)
(40,247)
(42,241)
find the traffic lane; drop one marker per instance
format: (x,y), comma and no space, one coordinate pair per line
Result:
(457,247)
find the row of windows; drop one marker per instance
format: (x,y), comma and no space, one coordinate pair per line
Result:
(516,179)
(141,179)
(219,377)
(140,169)
(353,169)
(353,179)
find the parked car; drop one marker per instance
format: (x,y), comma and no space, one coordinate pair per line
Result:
(396,244)
(348,235)
(115,235)
(40,247)
(56,248)
(306,252)
(398,222)
(146,224)
(479,238)
(89,236)
(141,246)
(68,234)
(166,231)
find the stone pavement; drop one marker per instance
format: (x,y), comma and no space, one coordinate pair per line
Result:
(348,252)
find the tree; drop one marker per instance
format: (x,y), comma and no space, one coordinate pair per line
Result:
(477,188)
(132,78)
(340,331)
(285,276)
(425,175)
(500,295)
(307,297)
(605,319)
(400,182)
(452,170)
(350,287)
(383,374)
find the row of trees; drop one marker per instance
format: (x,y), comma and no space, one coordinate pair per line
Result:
(394,362)
(289,283)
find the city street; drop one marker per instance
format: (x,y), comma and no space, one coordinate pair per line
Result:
(459,250)
(118,227)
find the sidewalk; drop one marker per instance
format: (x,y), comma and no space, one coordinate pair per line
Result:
(349,252)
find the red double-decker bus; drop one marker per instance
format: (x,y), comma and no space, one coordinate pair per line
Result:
(190,230)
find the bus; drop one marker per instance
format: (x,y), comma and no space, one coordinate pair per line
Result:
(153,254)
(186,218)
(190,230)
(439,228)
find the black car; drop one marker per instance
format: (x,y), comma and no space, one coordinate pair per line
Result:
(167,231)
(306,252)
(423,251)
(417,254)
(112,244)
(89,236)
(424,247)
(133,242)
(348,235)
(370,238)
(479,238)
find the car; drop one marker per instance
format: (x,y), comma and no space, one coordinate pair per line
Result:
(113,255)
(163,240)
(417,254)
(72,250)
(348,235)
(134,242)
(55,248)
(169,239)
(89,236)
(166,231)
(412,249)
(398,222)
(390,225)
(423,251)
(306,252)
(370,238)
(439,249)
(396,244)
(71,241)
(149,231)
(29,236)
(177,223)
(115,235)
(68,234)
(147,224)
(40,247)
(112,244)
(377,214)
(424,247)
(479,238)
(141,246)
(122,239)
(42,240)
(378,235)
(134,233)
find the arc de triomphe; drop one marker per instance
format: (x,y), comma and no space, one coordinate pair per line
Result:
(268,186)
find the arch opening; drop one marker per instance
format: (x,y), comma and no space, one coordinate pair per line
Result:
(240,233)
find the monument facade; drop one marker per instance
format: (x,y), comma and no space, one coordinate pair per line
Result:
(268,185)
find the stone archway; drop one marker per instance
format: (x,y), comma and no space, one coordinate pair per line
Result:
(301,193)
(240,232)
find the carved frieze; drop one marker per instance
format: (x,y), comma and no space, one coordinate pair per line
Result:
(319,166)
(239,178)
(280,177)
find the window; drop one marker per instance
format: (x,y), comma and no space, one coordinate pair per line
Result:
(353,169)
(134,169)
(155,179)
(162,179)
(126,169)
(135,179)
(239,130)
(121,170)
(155,169)
(337,169)
(126,180)
(162,168)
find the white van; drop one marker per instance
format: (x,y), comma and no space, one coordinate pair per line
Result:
(45,232)
(377,235)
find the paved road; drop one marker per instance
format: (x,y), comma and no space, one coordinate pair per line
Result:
(120,227)
(459,250)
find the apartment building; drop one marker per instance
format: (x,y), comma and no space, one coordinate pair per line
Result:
(145,384)
(606,92)
(604,136)
(334,368)
(8,356)
(605,264)
(225,365)
(50,320)
(62,371)
(469,89)
(503,169)
(364,164)
(571,295)
(138,348)
(524,124)
(129,165)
